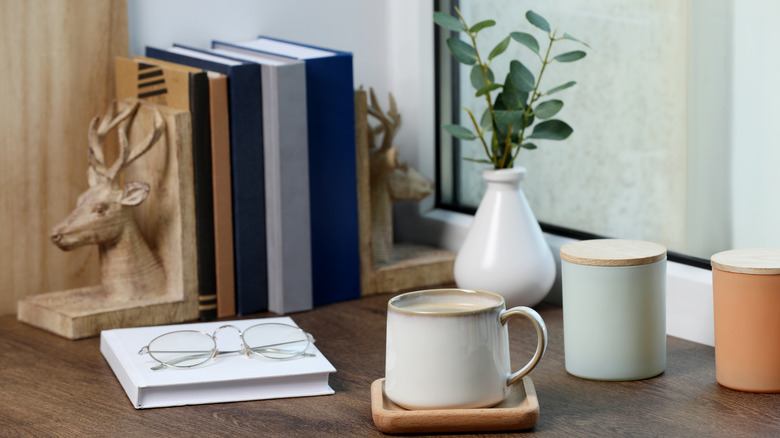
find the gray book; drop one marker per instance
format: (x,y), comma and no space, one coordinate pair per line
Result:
(285,150)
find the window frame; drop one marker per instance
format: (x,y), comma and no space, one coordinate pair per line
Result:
(439,35)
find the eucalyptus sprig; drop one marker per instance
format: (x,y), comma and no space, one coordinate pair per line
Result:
(517,107)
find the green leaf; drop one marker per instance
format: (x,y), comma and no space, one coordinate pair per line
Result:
(460,132)
(462,51)
(547,109)
(552,130)
(511,97)
(504,118)
(499,49)
(521,76)
(537,20)
(499,102)
(518,120)
(570,56)
(477,81)
(529,146)
(481,25)
(560,87)
(499,105)
(569,37)
(448,21)
(487,89)
(485,122)
(529,121)
(526,39)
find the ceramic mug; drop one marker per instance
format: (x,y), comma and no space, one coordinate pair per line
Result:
(449,348)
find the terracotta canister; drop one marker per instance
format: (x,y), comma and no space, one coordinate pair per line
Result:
(746,297)
(614,309)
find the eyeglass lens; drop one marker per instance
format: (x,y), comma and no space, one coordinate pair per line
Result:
(183,348)
(276,341)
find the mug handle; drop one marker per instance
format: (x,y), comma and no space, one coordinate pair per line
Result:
(541,332)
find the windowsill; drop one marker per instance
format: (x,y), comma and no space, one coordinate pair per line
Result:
(689,311)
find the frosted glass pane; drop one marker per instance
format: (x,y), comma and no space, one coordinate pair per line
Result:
(623,172)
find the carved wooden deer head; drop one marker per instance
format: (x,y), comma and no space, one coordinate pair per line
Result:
(103,215)
(391,178)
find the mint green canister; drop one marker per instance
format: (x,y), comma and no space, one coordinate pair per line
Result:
(614,309)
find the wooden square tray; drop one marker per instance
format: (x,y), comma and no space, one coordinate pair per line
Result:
(518,412)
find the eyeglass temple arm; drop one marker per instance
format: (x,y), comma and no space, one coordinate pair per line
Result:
(270,347)
(178,360)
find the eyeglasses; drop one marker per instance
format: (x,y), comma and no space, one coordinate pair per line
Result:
(190,348)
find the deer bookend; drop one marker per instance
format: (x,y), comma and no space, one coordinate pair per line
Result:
(391,179)
(103,215)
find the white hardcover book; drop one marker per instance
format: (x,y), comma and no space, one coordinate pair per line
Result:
(286,158)
(223,379)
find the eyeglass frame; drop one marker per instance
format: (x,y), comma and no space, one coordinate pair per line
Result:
(245,349)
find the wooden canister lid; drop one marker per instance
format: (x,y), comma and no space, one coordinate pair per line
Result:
(613,252)
(762,261)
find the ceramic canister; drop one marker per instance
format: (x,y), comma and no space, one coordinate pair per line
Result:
(746,298)
(614,309)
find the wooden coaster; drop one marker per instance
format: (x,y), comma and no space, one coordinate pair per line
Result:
(518,412)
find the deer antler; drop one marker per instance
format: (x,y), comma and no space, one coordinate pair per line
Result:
(390,121)
(127,154)
(98,132)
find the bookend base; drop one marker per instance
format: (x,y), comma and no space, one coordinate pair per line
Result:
(82,313)
(412,266)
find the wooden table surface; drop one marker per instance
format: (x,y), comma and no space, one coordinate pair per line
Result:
(50,386)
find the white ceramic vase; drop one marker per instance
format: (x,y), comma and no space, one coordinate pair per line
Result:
(505,251)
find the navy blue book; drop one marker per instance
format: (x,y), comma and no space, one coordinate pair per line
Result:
(246,152)
(332,167)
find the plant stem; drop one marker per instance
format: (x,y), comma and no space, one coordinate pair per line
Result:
(507,147)
(479,131)
(483,68)
(535,95)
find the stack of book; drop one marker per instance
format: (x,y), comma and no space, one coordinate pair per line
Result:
(274,164)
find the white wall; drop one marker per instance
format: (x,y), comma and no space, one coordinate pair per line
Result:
(355,26)
(391,41)
(755,149)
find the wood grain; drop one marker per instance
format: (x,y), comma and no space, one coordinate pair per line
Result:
(362,131)
(55,387)
(613,252)
(58,74)
(518,412)
(758,261)
(404,266)
(413,267)
(166,220)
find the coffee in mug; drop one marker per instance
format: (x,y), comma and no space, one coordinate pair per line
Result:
(449,348)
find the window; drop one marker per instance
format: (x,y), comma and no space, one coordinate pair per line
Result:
(671,115)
